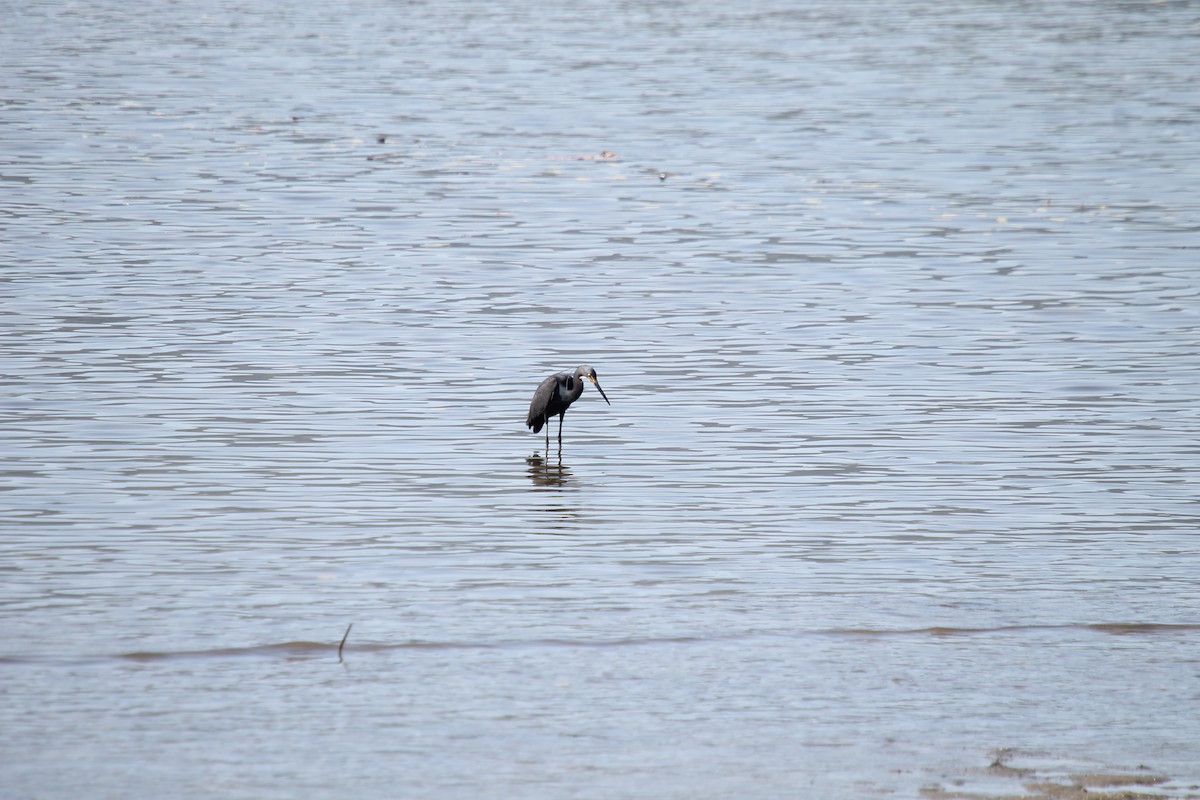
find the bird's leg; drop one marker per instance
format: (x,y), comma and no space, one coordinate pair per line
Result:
(547,438)
(560,422)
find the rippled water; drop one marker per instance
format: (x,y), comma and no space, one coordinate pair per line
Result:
(896,304)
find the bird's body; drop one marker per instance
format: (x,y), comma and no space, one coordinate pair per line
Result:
(555,395)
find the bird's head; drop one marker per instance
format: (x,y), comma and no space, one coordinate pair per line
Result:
(589,374)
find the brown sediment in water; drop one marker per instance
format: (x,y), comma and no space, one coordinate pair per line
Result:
(1116,779)
(1039,784)
(1053,790)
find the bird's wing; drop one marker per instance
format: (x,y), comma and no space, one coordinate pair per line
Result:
(544,399)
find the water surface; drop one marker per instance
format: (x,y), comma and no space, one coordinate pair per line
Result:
(897,307)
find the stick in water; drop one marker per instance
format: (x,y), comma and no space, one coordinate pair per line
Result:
(343,644)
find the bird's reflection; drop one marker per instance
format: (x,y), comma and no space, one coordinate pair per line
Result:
(547,472)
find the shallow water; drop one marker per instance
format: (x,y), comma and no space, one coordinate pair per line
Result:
(896,307)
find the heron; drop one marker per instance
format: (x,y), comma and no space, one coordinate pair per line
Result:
(555,395)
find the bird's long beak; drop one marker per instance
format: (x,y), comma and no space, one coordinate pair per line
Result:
(596,383)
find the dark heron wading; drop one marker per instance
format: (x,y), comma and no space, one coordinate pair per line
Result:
(555,395)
